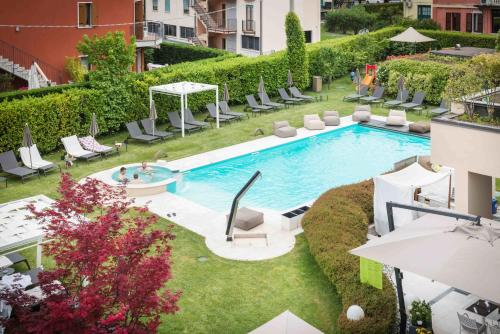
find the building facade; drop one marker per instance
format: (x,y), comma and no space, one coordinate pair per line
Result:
(249,27)
(417,9)
(47,31)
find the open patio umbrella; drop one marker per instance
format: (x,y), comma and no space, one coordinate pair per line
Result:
(33,81)
(94,128)
(27,140)
(410,35)
(152,115)
(262,88)
(289,79)
(454,252)
(225,95)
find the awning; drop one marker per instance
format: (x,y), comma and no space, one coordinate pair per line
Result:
(410,35)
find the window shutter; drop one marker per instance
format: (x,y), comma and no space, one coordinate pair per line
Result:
(468,22)
(95,17)
(479,22)
(448,21)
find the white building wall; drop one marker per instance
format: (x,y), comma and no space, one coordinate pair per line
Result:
(175,17)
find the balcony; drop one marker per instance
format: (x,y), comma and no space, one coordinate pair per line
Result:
(218,23)
(248,26)
(495,3)
(148,33)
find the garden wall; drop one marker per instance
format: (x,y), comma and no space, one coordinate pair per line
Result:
(336,223)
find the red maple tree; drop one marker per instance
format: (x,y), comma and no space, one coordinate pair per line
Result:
(111,266)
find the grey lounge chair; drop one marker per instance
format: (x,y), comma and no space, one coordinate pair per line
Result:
(147,124)
(135,133)
(16,258)
(176,123)
(212,114)
(264,98)
(224,108)
(255,107)
(402,97)
(418,100)
(377,96)
(363,91)
(298,95)
(189,118)
(285,98)
(442,109)
(9,165)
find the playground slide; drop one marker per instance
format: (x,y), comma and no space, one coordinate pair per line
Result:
(367,81)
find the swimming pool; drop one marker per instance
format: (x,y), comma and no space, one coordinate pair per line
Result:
(300,171)
(152,175)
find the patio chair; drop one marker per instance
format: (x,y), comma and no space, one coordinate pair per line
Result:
(283,129)
(16,258)
(378,93)
(469,325)
(264,98)
(418,100)
(33,155)
(285,98)
(72,147)
(224,108)
(135,133)
(147,124)
(189,118)
(212,114)
(442,109)
(176,123)
(331,118)
(313,122)
(254,106)
(298,95)
(89,143)
(402,97)
(9,165)
(396,118)
(363,91)
(494,329)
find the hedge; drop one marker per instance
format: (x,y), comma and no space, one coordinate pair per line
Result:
(19,94)
(175,53)
(336,223)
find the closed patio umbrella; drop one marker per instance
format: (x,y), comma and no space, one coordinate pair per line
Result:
(401,86)
(152,115)
(33,81)
(262,88)
(225,93)
(27,140)
(358,80)
(290,79)
(94,128)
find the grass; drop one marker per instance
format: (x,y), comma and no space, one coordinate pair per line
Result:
(325,34)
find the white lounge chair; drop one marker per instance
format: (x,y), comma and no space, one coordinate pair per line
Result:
(75,149)
(31,158)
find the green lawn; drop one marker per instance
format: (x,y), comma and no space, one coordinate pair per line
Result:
(329,35)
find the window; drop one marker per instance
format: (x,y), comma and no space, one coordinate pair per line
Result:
(453,21)
(167,6)
(84,61)
(170,30)
(155,5)
(84,14)
(250,42)
(249,12)
(185,6)
(474,22)
(187,32)
(423,12)
(308,36)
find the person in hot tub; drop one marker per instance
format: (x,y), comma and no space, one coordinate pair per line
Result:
(145,168)
(136,179)
(122,177)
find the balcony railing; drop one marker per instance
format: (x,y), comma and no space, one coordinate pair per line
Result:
(248,26)
(218,22)
(148,32)
(490,2)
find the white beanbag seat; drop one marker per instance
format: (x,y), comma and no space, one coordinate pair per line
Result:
(396,118)
(313,122)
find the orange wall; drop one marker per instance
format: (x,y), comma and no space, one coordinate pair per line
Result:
(441,7)
(53,45)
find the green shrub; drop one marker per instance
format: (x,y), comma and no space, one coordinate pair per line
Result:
(426,24)
(297,58)
(498,41)
(387,13)
(175,53)
(75,69)
(336,223)
(39,92)
(349,20)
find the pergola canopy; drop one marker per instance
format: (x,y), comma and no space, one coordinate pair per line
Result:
(410,35)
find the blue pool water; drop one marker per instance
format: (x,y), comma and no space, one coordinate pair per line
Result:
(297,172)
(154,174)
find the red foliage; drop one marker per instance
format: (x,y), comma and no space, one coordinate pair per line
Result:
(111,267)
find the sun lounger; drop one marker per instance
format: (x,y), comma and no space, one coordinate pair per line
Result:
(378,93)
(264,98)
(176,123)
(298,95)
(9,165)
(147,124)
(73,148)
(135,133)
(189,118)
(396,118)
(31,158)
(255,107)
(224,108)
(89,143)
(363,91)
(212,114)
(418,100)
(442,109)
(402,97)
(285,98)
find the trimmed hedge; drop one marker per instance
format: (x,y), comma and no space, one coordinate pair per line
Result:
(19,94)
(336,223)
(175,53)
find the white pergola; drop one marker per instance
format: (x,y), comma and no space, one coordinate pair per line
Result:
(183,89)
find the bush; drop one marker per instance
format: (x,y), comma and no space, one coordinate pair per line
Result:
(336,223)
(426,24)
(39,92)
(298,61)
(349,19)
(175,53)
(498,41)
(387,13)
(75,69)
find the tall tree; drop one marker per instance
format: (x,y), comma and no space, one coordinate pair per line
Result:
(298,61)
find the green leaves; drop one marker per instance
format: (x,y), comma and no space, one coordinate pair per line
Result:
(298,61)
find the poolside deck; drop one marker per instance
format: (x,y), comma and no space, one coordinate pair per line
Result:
(378,124)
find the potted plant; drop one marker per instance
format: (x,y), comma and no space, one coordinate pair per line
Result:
(421,317)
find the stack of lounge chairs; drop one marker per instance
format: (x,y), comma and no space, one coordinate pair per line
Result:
(73,147)
(255,107)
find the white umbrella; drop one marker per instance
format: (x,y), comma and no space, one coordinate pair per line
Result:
(456,253)
(410,35)
(28,141)
(262,88)
(33,81)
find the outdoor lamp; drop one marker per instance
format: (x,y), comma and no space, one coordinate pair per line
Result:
(355,313)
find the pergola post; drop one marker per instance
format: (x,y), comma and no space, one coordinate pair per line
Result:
(217,105)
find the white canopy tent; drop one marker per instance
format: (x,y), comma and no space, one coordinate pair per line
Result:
(183,89)
(400,187)
(410,35)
